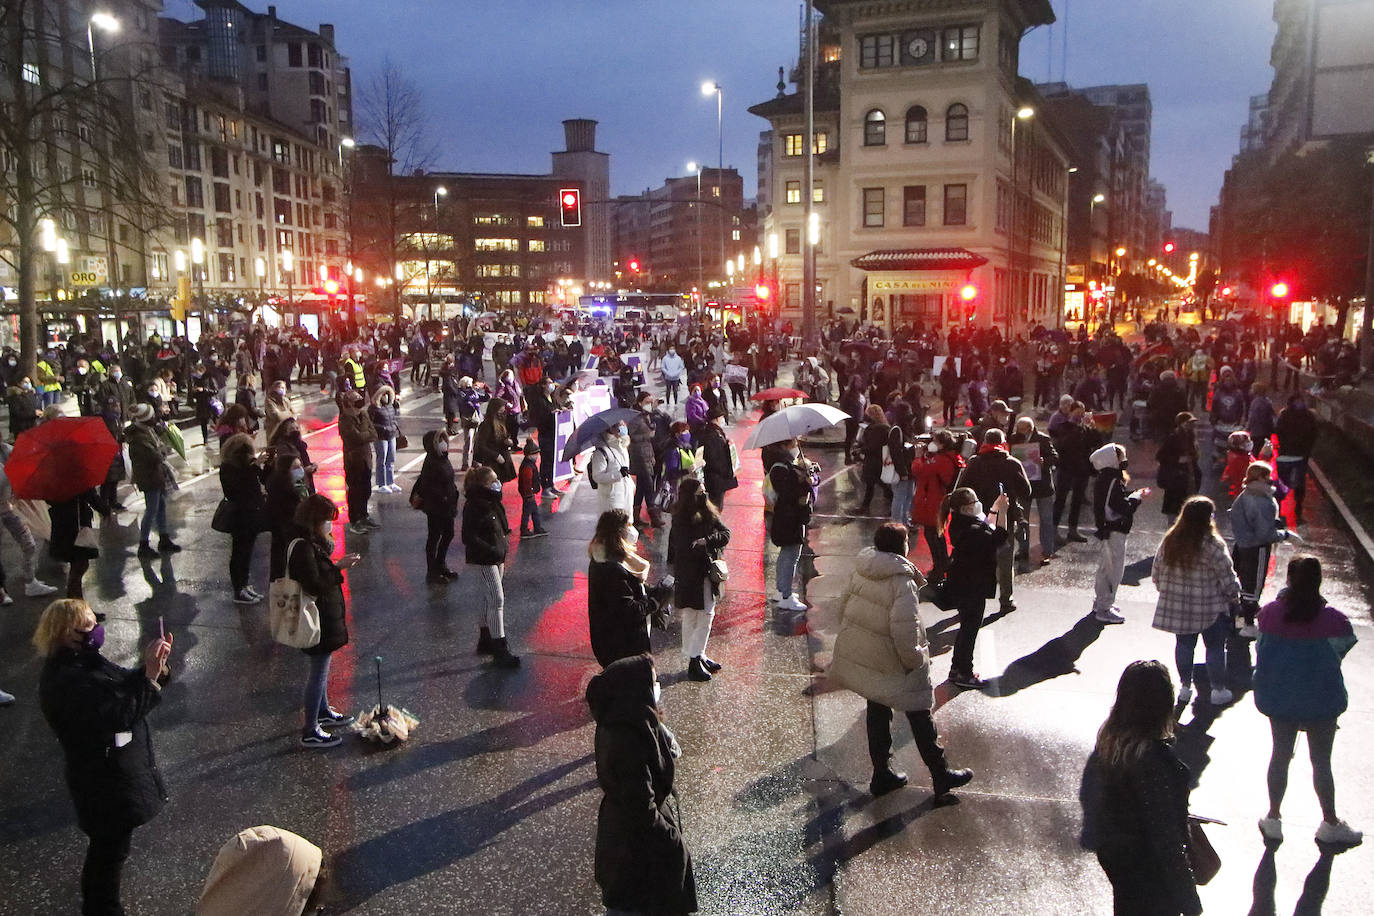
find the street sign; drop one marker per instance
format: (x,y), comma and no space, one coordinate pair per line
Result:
(85,278)
(91,270)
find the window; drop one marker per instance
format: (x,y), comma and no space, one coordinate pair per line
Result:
(875,128)
(822,142)
(316,56)
(960,43)
(956,122)
(792,241)
(496,244)
(793,192)
(537,245)
(31,74)
(88,178)
(818,192)
(956,204)
(195,193)
(293,54)
(792,145)
(534,222)
(914,205)
(173,156)
(876,51)
(221,198)
(873,208)
(226,269)
(224,233)
(219,162)
(734,235)
(916,121)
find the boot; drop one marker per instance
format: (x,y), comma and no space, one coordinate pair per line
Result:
(146,550)
(710,664)
(485,644)
(696,671)
(949,780)
(166,545)
(501,656)
(886,780)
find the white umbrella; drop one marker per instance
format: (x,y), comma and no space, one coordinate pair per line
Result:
(794,421)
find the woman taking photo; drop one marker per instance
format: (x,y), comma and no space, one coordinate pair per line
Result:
(1299,686)
(240,477)
(486,535)
(1135,800)
(308,562)
(697,538)
(386,417)
(641,862)
(619,606)
(1197,590)
(972,576)
(494,441)
(98,711)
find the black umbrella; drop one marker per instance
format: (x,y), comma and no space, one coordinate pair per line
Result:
(589,429)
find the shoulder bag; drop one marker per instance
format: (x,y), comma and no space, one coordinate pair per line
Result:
(223,519)
(292,615)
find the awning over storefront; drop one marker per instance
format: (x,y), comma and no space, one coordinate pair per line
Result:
(901,259)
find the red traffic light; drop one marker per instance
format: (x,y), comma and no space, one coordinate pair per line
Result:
(1226,290)
(1279,290)
(1169,247)
(968,293)
(762,292)
(570,206)
(634,266)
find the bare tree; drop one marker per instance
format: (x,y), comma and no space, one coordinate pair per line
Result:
(69,147)
(392,117)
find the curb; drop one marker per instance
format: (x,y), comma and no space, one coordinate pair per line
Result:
(1361,536)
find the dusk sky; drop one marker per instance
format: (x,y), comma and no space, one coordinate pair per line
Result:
(499,76)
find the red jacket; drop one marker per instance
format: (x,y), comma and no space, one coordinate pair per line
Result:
(529,477)
(1237,463)
(934,476)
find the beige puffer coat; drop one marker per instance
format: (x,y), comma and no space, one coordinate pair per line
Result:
(882,652)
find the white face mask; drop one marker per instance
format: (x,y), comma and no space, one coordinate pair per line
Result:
(974,509)
(658,692)
(441,448)
(494,486)
(933,447)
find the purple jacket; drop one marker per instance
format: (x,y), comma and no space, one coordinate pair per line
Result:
(1298,665)
(696,409)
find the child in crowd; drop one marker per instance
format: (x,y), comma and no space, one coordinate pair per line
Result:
(528,482)
(1239,455)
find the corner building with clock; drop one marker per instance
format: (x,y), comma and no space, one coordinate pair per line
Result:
(940,182)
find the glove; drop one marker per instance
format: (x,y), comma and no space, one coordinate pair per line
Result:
(624,472)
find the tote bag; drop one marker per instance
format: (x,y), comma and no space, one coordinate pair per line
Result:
(292,615)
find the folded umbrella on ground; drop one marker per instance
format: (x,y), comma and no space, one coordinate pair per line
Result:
(792,422)
(587,432)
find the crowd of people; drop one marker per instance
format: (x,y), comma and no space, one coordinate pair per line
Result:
(970,484)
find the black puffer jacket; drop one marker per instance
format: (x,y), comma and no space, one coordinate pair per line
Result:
(689,563)
(792,510)
(435,488)
(486,531)
(718,474)
(618,608)
(972,572)
(88,700)
(310,565)
(641,862)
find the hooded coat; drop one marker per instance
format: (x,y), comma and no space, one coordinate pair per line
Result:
(613,489)
(881,652)
(688,563)
(1113,508)
(485,531)
(263,870)
(146,460)
(386,418)
(357,434)
(641,861)
(309,563)
(935,476)
(436,487)
(618,609)
(276,411)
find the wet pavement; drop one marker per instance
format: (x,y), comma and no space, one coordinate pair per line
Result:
(491,807)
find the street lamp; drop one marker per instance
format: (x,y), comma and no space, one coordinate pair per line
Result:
(260,270)
(439,192)
(707,88)
(288,267)
(198,259)
(1024,113)
(47,231)
(701,238)
(105,23)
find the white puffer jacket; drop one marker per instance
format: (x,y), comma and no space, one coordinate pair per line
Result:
(882,652)
(613,489)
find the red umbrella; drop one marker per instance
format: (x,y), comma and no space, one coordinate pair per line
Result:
(777,394)
(61,458)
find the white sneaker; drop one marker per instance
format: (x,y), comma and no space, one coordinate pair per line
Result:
(5,599)
(1340,832)
(1272,828)
(35,589)
(1185,693)
(6,699)
(775,597)
(791,603)
(394,487)
(380,488)
(1109,616)
(1221,696)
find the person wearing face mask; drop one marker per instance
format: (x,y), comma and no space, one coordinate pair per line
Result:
(308,561)
(977,541)
(241,479)
(435,493)
(386,418)
(277,407)
(641,863)
(49,382)
(151,475)
(720,462)
(990,472)
(357,434)
(934,469)
(1256,526)
(608,469)
(1041,476)
(1114,513)
(697,537)
(1297,430)
(486,534)
(286,488)
(715,397)
(790,481)
(620,607)
(24,407)
(674,371)
(493,443)
(99,713)
(539,402)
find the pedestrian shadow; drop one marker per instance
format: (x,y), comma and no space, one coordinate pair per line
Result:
(416,849)
(1054,659)
(1314,887)
(1137,572)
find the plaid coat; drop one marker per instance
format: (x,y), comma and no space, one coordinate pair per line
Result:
(1192,597)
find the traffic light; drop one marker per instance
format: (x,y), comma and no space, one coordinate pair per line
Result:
(331,287)
(1169,247)
(570,206)
(634,265)
(1279,290)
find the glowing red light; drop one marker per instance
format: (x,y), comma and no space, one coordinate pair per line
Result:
(331,286)
(1279,290)
(762,293)
(968,293)
(569,200)
(1168,247)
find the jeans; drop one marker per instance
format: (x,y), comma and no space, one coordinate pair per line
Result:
(240,558)
(696,623)
(1111,566)
(438,537)
(155,509)
(903,491)
(529,514)
(788,557)
(970,619)
(385,452)
(1049,534)
(1320,738)
(878,724)
(493,599)
(24,538)
(105,857)
(316,691)
(670,387)
(1214,639)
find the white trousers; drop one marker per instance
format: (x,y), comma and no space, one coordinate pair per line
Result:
(1111,566)
(696,624)
(489,580)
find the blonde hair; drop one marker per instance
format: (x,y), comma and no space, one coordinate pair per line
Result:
(58,621)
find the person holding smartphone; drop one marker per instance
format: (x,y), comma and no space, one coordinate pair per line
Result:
(309,561)
(98,711)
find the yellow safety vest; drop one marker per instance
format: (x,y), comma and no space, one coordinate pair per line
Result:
(352,368)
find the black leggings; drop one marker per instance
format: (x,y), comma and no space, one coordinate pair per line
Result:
(437,541)
(878,724)
(970,619)
(100,874)
(240,557)
(76,571)
(939,550)
(868,491)
(357,490)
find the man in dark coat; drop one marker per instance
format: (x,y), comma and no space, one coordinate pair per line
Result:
(641,862)
(1297,431)
(357,433)
(542,416)
(991,473)
(1041,475)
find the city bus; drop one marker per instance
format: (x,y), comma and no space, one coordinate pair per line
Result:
(633,306)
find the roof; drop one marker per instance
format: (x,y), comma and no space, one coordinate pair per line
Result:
(919,259)
(794,104)
(1037,12)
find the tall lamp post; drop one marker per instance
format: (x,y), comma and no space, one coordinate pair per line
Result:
(288,267)
(1024,113)
(105,23)
(701,239)
(198,270)
(809,182)
(439,192)
(345,179)
(711,87)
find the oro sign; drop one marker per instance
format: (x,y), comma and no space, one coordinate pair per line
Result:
(90,271)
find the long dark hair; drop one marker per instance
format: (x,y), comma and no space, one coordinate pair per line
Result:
(610,533)
(693,506)
(1303,594)
(1195,525)
(1142,714)
(496,409)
